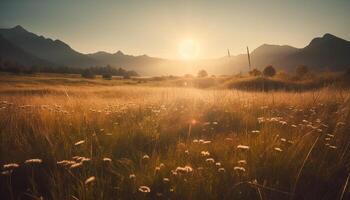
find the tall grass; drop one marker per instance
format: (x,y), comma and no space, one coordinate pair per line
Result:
(133,142)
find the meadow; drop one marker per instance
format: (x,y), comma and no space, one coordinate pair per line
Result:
(72,138)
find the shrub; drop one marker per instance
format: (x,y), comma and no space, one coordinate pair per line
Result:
(269,71)
(202,73)
(255,72)
(107,76)
(87,73)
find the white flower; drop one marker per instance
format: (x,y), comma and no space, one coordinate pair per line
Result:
(242,162)
(243,147)
(90,180)
(205,153)
(210,160)
(33,161)
(132,176)
(10,166)
(240,169)
(144,189)
(221,169)
(79,142)
(107,160)
(278,149)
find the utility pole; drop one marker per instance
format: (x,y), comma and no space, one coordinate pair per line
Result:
(249,58)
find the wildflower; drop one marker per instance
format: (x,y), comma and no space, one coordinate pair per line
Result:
(229,139)
(144,189)
(76,165)
(10,166)
(195,141)
(186,169)
(145,157)
(278,149)
(215,123)
(330,135)
(161,165)
(221,169)
(206,142)
(243,147)
(332,147)
(157,169)
(255,131)
(218,164)
(107,160)
(79,142)
(132,176)
(242,162)
(33,161)
(205,153)
(210,160)
(187,152)
(90,180)
(66,162)
(239,169)
(283,139)
(166,179)
(327,139)
(294,126)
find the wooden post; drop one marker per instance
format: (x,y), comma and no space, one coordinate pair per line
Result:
(248,58)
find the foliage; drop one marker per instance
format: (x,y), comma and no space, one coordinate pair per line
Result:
(88,73)
(269,71)
(255,72)
(202,73)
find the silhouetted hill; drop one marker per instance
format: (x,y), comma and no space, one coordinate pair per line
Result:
(324,53)
(14,54)
(54,51)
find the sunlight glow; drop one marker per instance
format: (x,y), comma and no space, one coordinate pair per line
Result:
(188,49)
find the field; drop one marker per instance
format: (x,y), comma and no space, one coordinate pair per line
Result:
(70,138)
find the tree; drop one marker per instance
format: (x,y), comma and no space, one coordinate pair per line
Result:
(269,71)
(202,73)
(88,73)
(301,70)
(255,72)
(107,76)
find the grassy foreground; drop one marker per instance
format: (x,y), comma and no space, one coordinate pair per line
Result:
(89,141)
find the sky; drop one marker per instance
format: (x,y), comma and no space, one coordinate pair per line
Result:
(162,28)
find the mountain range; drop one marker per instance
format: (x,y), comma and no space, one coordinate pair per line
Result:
(322,53)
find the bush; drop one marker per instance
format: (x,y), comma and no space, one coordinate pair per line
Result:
(269,71)
(87,73)
(107,76)
(255,72)
(202,73)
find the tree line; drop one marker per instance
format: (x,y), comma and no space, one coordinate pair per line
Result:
(91,72)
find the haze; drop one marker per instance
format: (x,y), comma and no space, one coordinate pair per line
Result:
(157,28)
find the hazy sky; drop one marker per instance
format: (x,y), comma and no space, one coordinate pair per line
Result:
(157,27)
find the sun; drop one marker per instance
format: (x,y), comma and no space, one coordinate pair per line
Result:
(188,49)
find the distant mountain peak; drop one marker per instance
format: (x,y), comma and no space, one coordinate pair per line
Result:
(19,28)
(329,36)
(119,53)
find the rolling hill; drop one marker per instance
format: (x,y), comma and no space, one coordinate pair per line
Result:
(322,53)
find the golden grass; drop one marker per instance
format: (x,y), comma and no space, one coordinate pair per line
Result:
(118,141)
